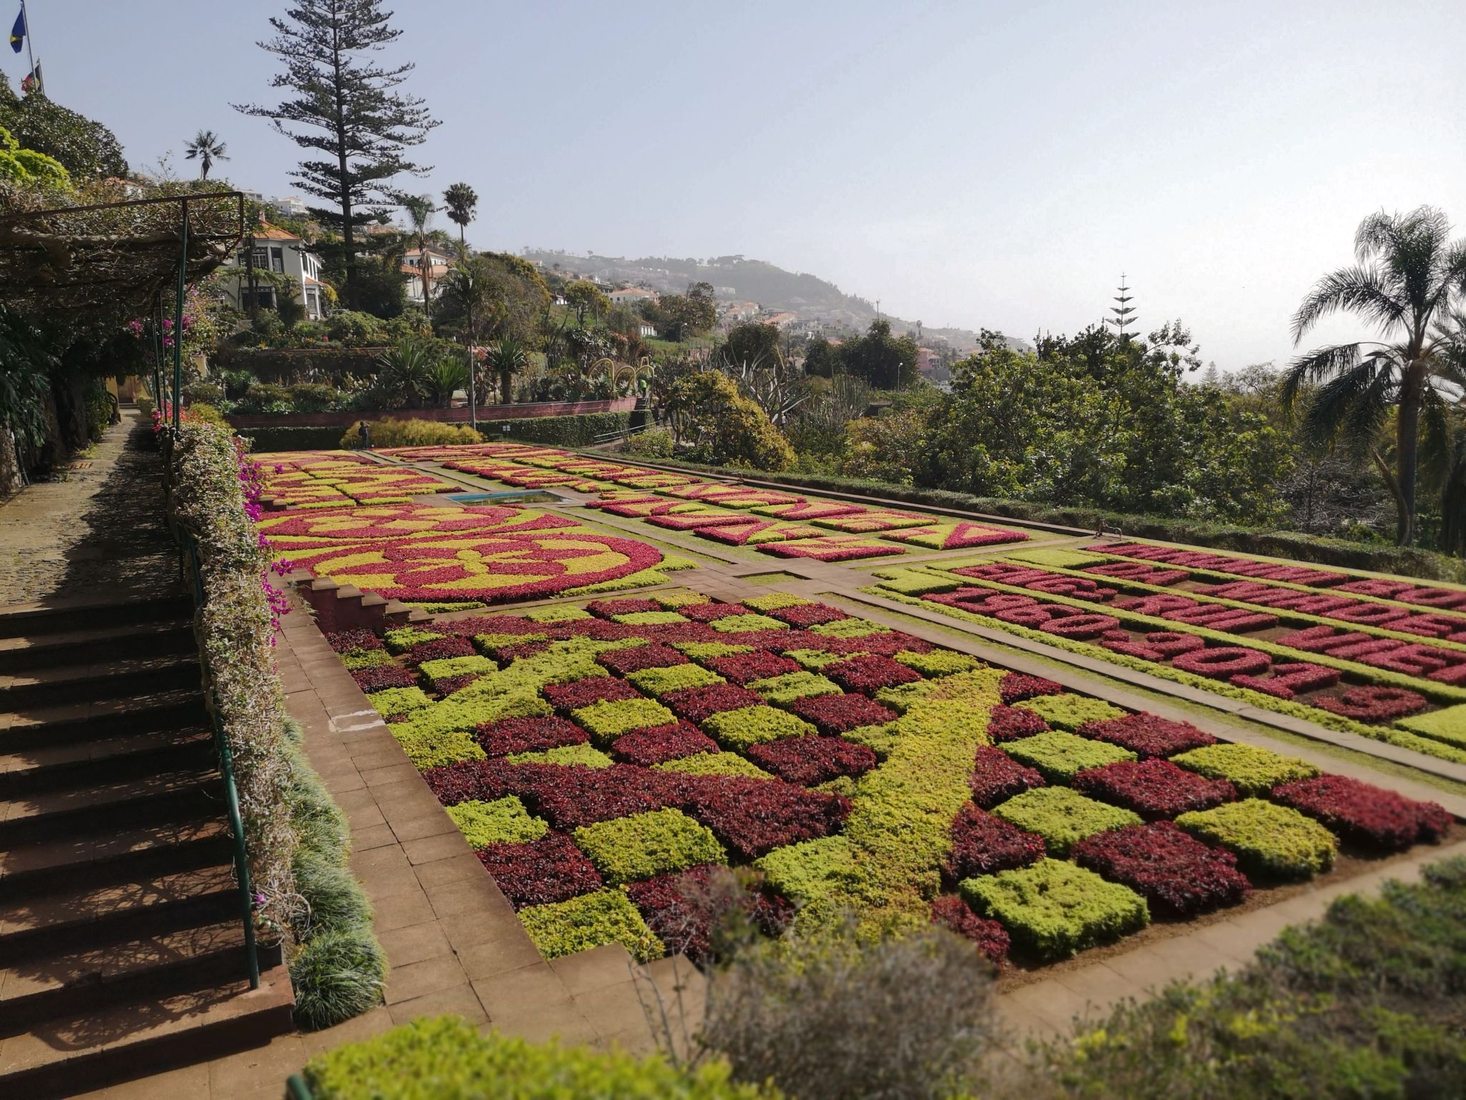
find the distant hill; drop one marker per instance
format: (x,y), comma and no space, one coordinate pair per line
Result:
(737,278)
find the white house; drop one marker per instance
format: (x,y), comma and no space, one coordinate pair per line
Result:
(438,262)
(283,253)
(632,296)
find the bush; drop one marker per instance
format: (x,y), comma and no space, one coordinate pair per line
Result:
(502,821)
(906,1018)
(1062,817)
(726,427)
(314,397)
(738,729)
(983,844)
(647,844)
(539,871)
(591,920)
(1269,840)
(1367,815)
(1154,788)
(1252,770)
(1060,755)
(609,720)
(408,433)
(445,1058)
(1054,908)
(265,440)
(1071,711)
(1176,874)
(337,975)
(1148,734)
(650,443)
(997,777)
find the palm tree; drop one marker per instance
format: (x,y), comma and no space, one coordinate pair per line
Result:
(420,210)
(460,200)
(508,356)
(205,148)
(1407,273)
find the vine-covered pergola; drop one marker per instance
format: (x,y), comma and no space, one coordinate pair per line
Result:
(120,258)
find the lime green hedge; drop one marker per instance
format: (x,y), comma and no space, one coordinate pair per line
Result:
(502,821)
(590,920)
(1060,755)
(445,1058)
(1071,711)
(585,755)
(742,624)
(1448,725)
(939,662)
(1269,840)
(1063,817)
(780,690)
(1055,908)
(737,729)
(642,845)
(713,763)
(609,719)
(1253,771)
(658,681)
(446,668)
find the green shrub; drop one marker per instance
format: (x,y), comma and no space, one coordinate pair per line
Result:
(609,719)
(445,668)
(1063,817)
(1447,724)
(337,975)
(714,763)
(590,920)
(659,681)
(404,638)
(399,700)
(735,624)
(650,443)
(314,397)
(408,433)
(705,651)
(1054,908)
(939,662)
(582,430)
(445,1058)
(557,614)
(1269,840)
(779,690)
(502,821)
(266,440)
(746,726)
(585,755)
(1061,755)
(1070,711)
(1253,771)
(772,601)
(646,844)
(811,871)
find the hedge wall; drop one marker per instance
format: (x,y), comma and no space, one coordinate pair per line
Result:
(290,439)
(563,431)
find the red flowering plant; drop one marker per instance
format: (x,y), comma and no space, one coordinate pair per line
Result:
(1007,723)
(1369,816)
(1154,788)
(990,937)
(658,744)
(983,845)
(812,760)
(997,777)
(514,735)
(539,871)
(1177,874)
(870,673)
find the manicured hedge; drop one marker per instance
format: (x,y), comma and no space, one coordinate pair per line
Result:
(647,844)
(997,777)
(502,821)
(661,743)
(983,844)
(668,678)
(1060,755)
(744,668)
(1154,788)
(609,720)
(699,703)
(841,713)
(1148,734)
(738,729)
(591,920)
(812,760)
(1269,840)
(1253,771)
(1063,817)
(1054,908)
(1177,874)
(783,689)
(545,870)
(1070,711)
(445,1058)
(990,937)
(1367,815)
(713,763)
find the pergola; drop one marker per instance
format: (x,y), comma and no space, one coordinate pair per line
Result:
(120,257)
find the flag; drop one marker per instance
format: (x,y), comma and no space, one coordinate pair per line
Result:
(17,32)
(32,82)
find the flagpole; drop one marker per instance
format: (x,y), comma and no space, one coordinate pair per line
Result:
(30,54)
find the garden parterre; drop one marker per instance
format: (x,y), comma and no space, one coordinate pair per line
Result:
(605,761)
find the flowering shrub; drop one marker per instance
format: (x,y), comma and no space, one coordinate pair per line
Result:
(1176,874)
(812,760)
(983,844)
(1270,841)
(1063,817)
(1154,788)
(1148,734)
(512,735)
(1367,815)
(661,743)
(1055,908)
(870,673)
(1252,770)
(997,777)
(839,713)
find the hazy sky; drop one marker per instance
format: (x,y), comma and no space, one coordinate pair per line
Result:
(968,163)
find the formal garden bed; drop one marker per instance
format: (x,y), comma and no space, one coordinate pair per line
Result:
(607,761)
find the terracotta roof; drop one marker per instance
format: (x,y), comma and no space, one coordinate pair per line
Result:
(268,232)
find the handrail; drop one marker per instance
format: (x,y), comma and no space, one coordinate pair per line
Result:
(190,561)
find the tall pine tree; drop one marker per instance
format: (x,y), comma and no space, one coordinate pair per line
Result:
(346,108)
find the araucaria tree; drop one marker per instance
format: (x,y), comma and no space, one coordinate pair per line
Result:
(1407,274)
(346,109)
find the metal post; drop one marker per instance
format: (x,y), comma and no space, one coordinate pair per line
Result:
(178,312)
(472,366)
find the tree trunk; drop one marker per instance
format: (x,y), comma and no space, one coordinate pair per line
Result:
(504,379)
(1407,440)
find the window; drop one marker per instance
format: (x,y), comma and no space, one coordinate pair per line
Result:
(262,257)
(277,259)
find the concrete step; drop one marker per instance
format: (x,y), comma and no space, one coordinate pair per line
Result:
(86,645)
(87,915)
(83,812)
(99,680)
(46,726)
(68,615)
(92,1049)
(122,854)
(73,763)
(79,979)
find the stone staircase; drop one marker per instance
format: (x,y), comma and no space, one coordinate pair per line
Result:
(121,945)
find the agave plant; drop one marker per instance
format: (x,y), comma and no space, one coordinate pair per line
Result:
(405,374)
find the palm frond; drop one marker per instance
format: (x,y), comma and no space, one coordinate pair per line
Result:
(1352,406)
(1357,289)
(1315,365)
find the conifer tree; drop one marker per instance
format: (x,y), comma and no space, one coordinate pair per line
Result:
(346,109)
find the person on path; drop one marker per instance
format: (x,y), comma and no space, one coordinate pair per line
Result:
(364,434)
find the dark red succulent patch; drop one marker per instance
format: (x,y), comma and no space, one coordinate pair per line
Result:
(804,615)
(434,649)
(983,844)
(606,608)
(549,869)
(1367,815)
(1154,788)
(382,677)
(991,937)
(698,703)
(869,673)
(812,760)
(1148,734)
(744,668)
(347,641)
(997,777)
(657,744)
(1007,723)
(1374,703)
(513,735)
(582,693)
(1177,874)
(840,713)
(1017,686)
(568,796)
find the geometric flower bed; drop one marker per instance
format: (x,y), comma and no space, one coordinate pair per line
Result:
(330,479)
(1398,689)
(609,762)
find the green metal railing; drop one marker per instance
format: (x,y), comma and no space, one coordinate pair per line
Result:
(190,562)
